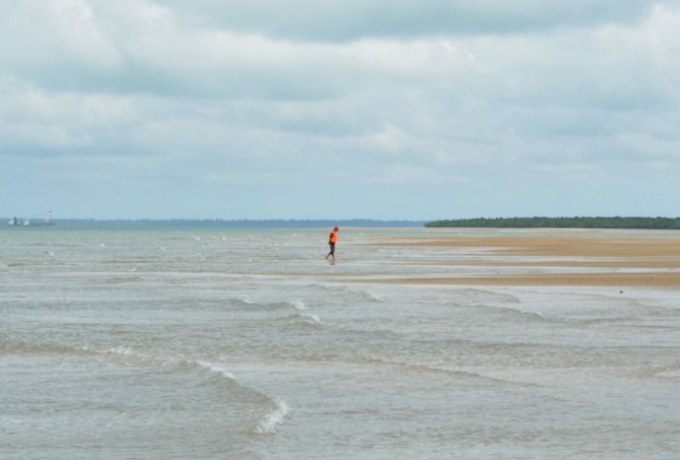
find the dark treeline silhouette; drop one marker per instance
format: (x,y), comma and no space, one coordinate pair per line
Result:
(656,223)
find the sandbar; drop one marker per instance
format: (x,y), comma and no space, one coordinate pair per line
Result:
(639,259)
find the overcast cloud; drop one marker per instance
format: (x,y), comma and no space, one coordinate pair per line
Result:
(418,109)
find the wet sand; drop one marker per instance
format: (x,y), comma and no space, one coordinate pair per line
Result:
(643,259)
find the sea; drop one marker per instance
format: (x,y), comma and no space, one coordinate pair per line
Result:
(125,342)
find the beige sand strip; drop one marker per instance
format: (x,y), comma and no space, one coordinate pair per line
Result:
(656,255)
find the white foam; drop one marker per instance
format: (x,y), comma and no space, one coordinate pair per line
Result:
(216,369)
(669,374)
(120,350)
(314,318)
(373,297)
(306,317)
(299,305)
(271,420)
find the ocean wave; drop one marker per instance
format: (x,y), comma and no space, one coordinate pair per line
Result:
(261,413)
(299,305)
(19,264)
(669,372)
(349,293)
(16,347)
(134,357)
(486,296)
(366,296)
(124,280)
(216,369)
(273,419)
(475,377)
(267,306)
(661,312)
(300,319)
(263,402)
(268,424)
(240,302)
(299,312)
(516,313)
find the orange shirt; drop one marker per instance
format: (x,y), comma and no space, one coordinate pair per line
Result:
(332,237)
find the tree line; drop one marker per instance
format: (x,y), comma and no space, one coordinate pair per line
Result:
(658,223)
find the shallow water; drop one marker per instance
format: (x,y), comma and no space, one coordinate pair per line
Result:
(204,343)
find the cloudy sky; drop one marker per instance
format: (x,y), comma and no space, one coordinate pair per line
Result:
(336,109)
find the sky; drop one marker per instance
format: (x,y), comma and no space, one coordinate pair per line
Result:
(339,109)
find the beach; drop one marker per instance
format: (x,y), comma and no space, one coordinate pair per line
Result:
(170,343)
(576,258)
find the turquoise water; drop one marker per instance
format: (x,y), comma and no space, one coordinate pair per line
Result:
(220,344)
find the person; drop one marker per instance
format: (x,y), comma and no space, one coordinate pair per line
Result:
(332,239)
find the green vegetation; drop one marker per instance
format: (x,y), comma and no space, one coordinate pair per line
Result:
(658,223)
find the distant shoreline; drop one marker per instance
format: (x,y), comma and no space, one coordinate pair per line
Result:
(235,223)
(633,223)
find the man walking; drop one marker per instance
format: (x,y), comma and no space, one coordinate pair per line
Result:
(332,239)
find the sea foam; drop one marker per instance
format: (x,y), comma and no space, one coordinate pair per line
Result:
(269,423)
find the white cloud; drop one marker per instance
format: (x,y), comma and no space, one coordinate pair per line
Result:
(390,138)
(406,174)
(53,34)
(347,20)
(298,94)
